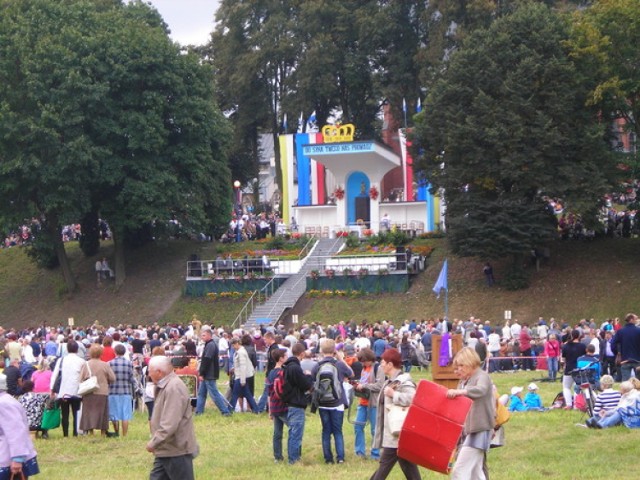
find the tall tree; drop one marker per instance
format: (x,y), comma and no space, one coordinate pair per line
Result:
(103,112)
(605,41)
(47,159)
(254,53)
(505,127)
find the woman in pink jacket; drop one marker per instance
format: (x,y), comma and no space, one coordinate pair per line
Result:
(552,351)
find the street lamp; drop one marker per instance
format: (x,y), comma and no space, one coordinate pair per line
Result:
(236,186)
(237,208)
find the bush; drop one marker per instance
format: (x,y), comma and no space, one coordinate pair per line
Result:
(276,243)
(352,242)
(516,279)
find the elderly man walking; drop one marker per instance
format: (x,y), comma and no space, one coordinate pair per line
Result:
(173,439)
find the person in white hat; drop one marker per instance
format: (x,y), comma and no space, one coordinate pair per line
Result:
(532,399)
(17,454)
(515,402)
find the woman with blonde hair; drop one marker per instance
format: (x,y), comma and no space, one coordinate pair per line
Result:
(478,431)
(95,406)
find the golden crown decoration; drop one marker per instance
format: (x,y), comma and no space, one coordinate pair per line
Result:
(338,133)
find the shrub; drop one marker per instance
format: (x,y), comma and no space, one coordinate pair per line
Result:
(276,243)
(516,279)
(352,242)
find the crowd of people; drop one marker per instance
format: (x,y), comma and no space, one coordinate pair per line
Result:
(251,226)
(24,234)
(367,365)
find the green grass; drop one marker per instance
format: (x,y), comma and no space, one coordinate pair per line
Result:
(537,445)
(599,279)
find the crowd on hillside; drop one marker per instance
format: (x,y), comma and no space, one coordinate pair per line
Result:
(24,234)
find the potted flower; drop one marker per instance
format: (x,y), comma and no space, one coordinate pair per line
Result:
(383,271)
(338,192)
(363,272)
(314,274)
(330,272)
(347,271)
(373,193)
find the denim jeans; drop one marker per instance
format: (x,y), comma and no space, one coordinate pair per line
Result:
(279,422)
(295,420)
(407,365)
(362,415)
(331,420)
(610,420)
(626,369)
(552,367)
(240,390)
(209,386)
(264,398)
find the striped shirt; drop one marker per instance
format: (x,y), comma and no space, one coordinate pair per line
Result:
(607,401)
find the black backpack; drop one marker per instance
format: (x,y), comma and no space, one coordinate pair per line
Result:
(327,387)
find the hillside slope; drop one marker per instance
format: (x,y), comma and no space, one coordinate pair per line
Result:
(597,279)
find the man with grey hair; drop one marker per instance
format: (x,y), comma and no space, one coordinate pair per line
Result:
(173,439)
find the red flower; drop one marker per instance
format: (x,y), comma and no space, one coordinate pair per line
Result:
(373,193)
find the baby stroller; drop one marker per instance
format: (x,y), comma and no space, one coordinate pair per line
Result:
(585,378)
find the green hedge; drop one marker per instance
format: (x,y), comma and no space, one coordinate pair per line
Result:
(368,284)
(199,288)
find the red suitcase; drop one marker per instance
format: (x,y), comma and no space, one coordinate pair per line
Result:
(433,427)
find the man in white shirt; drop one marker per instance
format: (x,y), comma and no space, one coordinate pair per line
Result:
(515,329)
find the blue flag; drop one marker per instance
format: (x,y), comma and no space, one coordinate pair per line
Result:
(404,105)
(285,126)
(442,280)
(312,123)
(418,106)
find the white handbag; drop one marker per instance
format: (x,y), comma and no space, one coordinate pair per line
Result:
(90,385)
(396,414)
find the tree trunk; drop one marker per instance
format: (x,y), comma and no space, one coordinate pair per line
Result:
(118,244)
(54,230)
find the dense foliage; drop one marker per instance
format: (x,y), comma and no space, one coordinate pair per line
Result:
(506,127)
(101,112)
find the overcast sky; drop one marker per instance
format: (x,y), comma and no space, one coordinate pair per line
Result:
(190,21)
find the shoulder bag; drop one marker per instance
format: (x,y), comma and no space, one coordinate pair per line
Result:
(90,385)
(58,382)
(396,415)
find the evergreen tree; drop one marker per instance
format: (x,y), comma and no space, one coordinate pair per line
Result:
(504,129)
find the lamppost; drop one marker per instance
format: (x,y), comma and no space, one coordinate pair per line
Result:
(237,207)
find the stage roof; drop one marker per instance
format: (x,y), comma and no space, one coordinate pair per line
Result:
(369,157)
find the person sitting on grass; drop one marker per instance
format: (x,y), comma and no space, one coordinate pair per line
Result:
(626,413)
(607,401)
(515,402)
(532,400)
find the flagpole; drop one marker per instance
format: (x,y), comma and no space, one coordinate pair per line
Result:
(446,304)
(404,110)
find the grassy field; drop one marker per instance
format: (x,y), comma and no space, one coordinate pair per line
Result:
(597,279)
(537,445)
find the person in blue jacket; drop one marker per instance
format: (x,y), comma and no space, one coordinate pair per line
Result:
(515,401)
(532,399)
